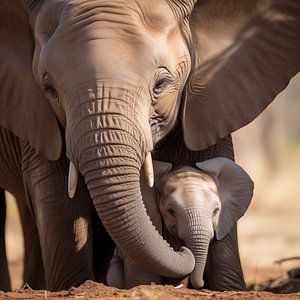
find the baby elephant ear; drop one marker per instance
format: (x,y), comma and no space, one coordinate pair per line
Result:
(235,189)
(149,194)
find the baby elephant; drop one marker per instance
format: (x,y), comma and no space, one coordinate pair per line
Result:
(188,206)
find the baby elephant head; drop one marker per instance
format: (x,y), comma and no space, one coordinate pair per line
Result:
(198,203)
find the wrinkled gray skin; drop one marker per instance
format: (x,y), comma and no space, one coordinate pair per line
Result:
(33,273)
(188,207)
(100,83)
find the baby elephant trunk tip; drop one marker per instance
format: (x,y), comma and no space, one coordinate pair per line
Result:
(196,282)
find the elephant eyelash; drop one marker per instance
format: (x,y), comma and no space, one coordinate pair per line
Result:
(160,85)
(162,81)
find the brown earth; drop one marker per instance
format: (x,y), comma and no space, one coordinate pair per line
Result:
(92,290)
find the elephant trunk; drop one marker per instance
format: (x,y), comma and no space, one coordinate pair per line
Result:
(199,233)
(109,152)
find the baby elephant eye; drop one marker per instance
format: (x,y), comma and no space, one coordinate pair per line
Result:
(171,212)
(49,89)
(215,212)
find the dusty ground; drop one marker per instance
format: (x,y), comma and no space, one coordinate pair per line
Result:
(91,290)
(268,232)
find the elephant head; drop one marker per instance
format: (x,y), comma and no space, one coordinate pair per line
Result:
(105,80)
(196,204)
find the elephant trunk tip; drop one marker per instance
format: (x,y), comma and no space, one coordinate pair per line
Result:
(197,282)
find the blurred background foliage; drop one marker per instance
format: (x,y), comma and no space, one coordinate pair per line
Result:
(269,149)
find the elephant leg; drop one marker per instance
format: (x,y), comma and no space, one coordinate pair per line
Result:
(125,273)
(4,274)
(33,273)
(64,224)
(223,268)
(136,275)
(115,274)
(64,228)
(103,248)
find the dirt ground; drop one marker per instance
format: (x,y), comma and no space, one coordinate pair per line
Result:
(91,290)
(269,231)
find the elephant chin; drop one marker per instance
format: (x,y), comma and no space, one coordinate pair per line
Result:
(110,159)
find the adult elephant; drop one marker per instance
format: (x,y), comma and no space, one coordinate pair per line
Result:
(116,74)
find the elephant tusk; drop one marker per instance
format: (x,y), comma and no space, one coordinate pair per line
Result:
(72,180)
(148,169)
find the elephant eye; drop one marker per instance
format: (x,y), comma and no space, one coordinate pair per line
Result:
(171,212)
(49,89)
(162,81)
(215,212)
(159,85)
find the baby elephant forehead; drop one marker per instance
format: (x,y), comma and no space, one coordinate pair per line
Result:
(188,177)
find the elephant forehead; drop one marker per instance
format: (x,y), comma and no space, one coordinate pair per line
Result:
(188,184)
(127,34)
(189,175)
(155,14)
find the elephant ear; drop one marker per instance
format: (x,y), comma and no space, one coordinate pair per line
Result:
(24,109)
(244,54)
(150,194)
(235,188)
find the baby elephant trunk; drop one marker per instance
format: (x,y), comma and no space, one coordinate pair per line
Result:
(197,236)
